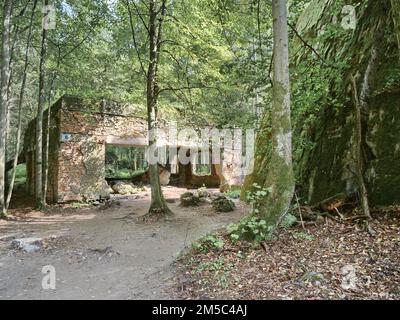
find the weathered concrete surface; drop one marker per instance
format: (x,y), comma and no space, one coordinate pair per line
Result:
(327,168)
(79,132)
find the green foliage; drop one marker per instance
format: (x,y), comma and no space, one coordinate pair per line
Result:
(223,204)
(20,176)
(76,205)
(208,243)
(392,79)
(220,269)
(212,64)
(213,265)
(256,193)
(124,162)
(123,174)
(233,193)
(303,236)
(252,229)
(255,197)
(288,221)
(312,277)
(189,199)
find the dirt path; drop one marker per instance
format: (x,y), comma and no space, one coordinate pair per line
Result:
(99,253)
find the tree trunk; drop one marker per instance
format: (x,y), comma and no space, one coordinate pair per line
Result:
(40,196)
(14,43)
(279,178)
(135,162)
(5,74)
(158,204)
(20,105)
(47,145)
(361,112)
(358,155)
(396,18)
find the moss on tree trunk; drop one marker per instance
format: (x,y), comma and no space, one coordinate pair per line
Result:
(273,161)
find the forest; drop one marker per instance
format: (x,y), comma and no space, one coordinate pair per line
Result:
(200,149)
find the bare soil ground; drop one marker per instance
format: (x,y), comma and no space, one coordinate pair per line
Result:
(327,261)
(102,252)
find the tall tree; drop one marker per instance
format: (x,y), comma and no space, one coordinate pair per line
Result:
(156,14)
(5,75)
(273,164)
(20,104)
(280,177)
(40,196)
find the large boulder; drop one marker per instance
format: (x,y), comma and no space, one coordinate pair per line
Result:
(124,188)
(165,176)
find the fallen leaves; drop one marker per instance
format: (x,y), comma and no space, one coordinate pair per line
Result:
(335,261)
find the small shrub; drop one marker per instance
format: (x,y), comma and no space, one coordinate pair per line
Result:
(288,221)
(233,193)
(76,205)
(252,229)
(188,199)
(208,243)
(257,194)
(20,176)
(312,277)
(223,204)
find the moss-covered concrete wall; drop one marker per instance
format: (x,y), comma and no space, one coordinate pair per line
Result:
(383,171)
(371,55)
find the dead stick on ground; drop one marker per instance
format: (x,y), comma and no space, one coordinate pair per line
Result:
(187,232)
(338,212)
(301,215)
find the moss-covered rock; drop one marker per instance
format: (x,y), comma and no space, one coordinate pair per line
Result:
(124,188)
(223,204)
(188,199)
(203,192)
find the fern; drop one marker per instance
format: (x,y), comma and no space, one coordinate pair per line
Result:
(288,221)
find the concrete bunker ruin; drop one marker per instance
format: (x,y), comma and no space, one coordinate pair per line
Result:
(80,129)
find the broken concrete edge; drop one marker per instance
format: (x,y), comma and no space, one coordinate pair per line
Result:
(27,245)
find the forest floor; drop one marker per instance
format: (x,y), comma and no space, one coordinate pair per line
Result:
(108,252)
(329,260)
(103,252)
